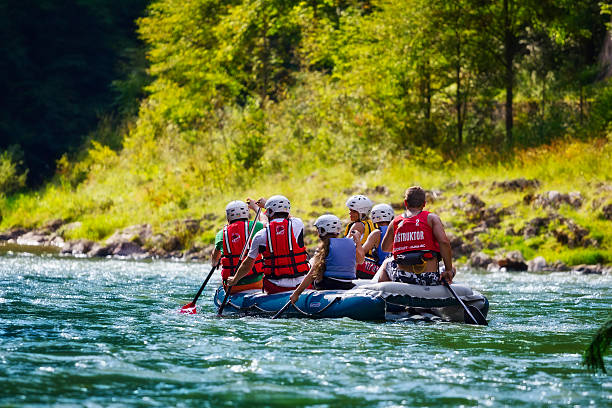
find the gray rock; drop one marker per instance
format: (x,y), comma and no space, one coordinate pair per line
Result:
(559,266)
(513,261)
(128,249)
(480,260)
(53,225)
(78,247)
(537,264)
(134,233)
(32,238)
(607,212)
(517,184)
(12,234)
(591,269)
(554,199)
(493,267)
(97,250)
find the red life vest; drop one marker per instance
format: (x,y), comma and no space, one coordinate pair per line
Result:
(413,234)
(234,238)
(283,257)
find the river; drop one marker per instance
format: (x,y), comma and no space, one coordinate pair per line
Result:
(80,332)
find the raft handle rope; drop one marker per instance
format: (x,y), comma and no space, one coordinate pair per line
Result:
(259,308)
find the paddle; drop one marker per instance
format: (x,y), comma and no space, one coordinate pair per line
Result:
(190,308)
(280,312)
(475,316)
(244,251)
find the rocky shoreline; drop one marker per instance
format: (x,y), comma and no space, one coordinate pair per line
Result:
(141,242)
(134,242)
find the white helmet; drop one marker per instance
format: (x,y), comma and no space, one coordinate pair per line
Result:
(361,204)
(328,224)
(236,210)
(382,213)
(278,203)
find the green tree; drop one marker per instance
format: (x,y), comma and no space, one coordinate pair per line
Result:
(58,62)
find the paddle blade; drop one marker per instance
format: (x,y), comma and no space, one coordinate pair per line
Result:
(480,319)
(189,308)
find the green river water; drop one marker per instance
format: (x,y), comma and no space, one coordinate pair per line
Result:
(100,333)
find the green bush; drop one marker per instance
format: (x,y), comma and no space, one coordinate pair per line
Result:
(11,179)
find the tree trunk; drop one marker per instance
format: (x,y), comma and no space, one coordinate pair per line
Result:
(605,56)
(581,103)
(509,75)
(458,100)
(265,55)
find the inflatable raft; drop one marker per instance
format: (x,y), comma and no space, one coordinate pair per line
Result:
(367,301)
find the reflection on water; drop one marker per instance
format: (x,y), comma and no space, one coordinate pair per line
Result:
(107,332)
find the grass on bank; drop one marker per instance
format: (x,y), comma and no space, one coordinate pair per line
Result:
(159,184)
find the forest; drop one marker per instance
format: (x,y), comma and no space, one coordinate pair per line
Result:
(153,111)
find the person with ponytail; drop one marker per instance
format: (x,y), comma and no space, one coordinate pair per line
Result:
(335,260)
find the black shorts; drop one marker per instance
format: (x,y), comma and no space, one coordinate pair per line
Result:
(331,283)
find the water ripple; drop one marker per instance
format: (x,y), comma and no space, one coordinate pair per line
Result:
(107,333)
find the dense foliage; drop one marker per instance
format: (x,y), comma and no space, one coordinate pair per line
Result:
(320,97)
(57,68)
(353,80)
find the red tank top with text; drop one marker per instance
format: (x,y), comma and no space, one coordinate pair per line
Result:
(413,234)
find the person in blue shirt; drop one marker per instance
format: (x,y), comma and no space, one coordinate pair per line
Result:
(335,260)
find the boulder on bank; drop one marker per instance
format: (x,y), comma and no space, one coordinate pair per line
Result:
(519,184)
(129,249)
(100,251)
(40,238)
(537,264)
(592,269)
(459,246)
(513,261)
(13,234)
(554,199)
(77,247)
(480,260)
(137,234)
(607,212)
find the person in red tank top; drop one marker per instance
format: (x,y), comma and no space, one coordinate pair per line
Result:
(416,234)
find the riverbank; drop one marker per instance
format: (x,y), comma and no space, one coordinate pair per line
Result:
(544,209)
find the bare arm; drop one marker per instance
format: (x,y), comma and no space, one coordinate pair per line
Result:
(357,226)
(381,274)
(387,243)
(244,268)
(360,252)
(215,257)
(255,205)
(445,247)
(372,241)
(308,279)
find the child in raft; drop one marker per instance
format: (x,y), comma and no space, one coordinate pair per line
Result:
(381,215)
(359,212)
(334,263)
